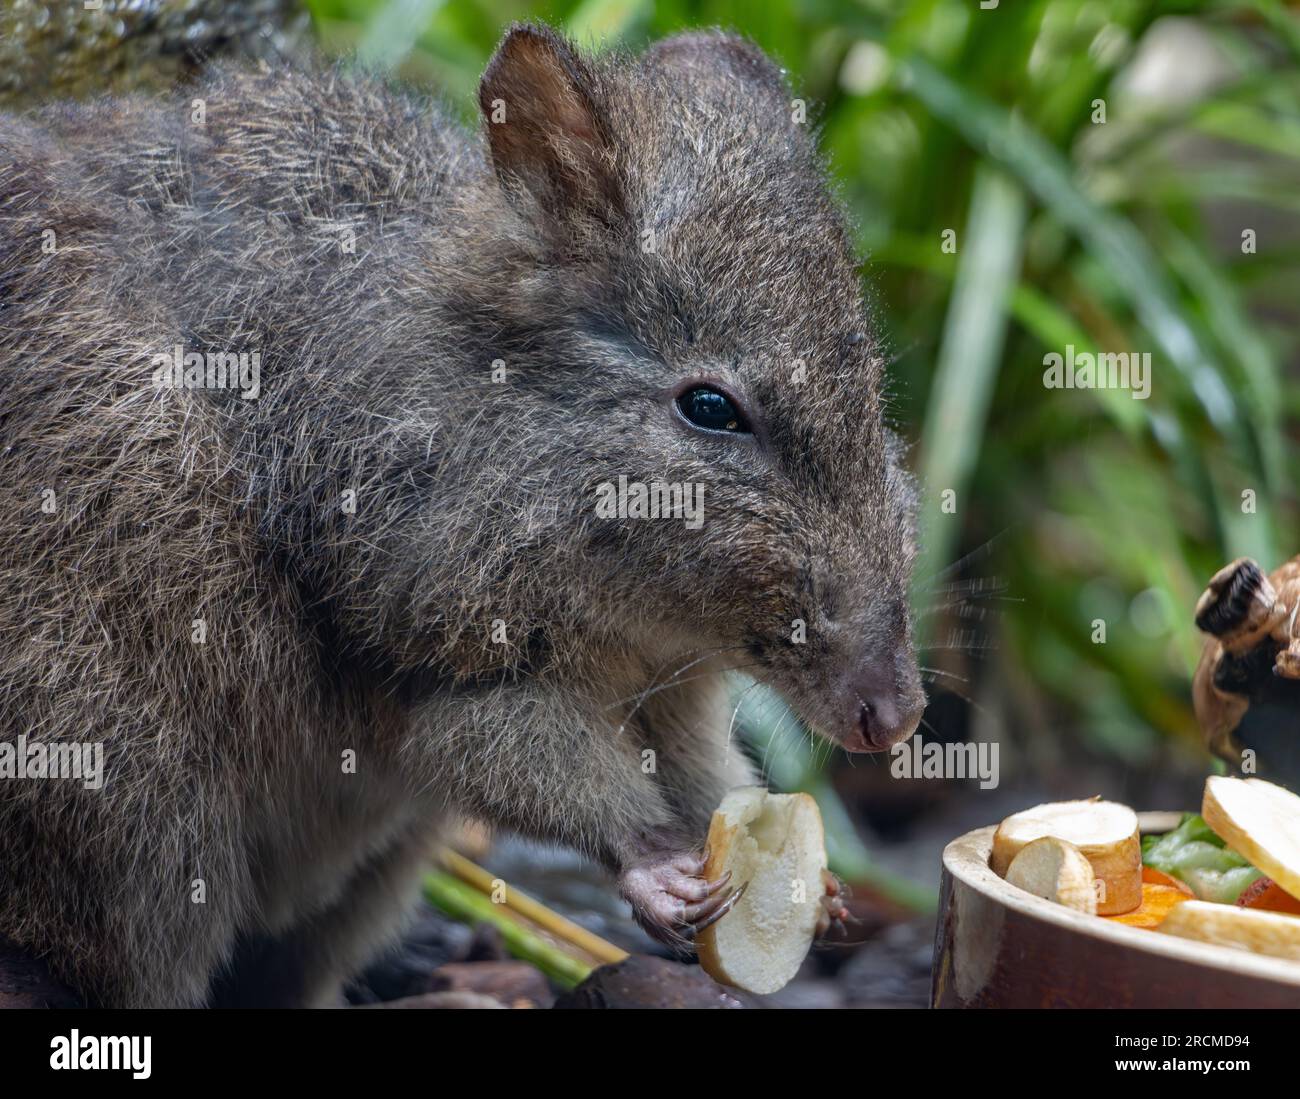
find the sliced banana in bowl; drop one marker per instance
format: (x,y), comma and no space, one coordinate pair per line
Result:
(1260,821)
(1104,832)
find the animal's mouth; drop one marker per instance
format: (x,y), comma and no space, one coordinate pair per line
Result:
(860,726)
(866,735)
(856,737)
(856,740)
(864,709)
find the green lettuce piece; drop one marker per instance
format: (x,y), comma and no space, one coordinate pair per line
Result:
(1193,854)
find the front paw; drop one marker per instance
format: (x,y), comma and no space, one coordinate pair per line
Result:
(671,899)
(834,916)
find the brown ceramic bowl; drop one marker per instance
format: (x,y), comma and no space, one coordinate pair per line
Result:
(998,946)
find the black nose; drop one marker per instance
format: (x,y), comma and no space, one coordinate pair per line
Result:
(884,711)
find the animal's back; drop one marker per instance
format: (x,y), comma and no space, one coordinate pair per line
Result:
(142,606)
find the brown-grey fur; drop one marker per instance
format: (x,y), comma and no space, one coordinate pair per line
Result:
(329,631)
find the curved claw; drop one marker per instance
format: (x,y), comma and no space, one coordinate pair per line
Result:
(701,916)
(671,899)
(714,886)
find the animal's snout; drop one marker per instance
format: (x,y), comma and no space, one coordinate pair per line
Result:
(884,704)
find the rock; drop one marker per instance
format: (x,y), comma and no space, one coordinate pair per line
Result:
(487,944)
(51,49)
(892,970)
(431,940)
(439,1001)
(515,984)
(805,994)
(643,981)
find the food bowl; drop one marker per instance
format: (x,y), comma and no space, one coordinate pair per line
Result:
(998,946)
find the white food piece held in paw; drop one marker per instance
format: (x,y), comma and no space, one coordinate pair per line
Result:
(1057,871)
(773,845)
(1106,833)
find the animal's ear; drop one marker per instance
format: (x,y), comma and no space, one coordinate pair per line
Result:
(541,104)
(714,60)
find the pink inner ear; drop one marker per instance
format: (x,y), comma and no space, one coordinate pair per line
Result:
(570,115)
(541,89)
(551,138)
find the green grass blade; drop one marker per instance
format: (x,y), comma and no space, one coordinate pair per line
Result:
(967,368)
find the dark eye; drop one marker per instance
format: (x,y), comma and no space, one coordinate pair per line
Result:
(711,410)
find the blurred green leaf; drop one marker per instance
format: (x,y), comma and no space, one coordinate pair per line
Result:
(969,356)
(608,21)
(391,34)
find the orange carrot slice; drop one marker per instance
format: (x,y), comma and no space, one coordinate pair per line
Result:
(1158,877)
(1267,894)
(1157,902)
